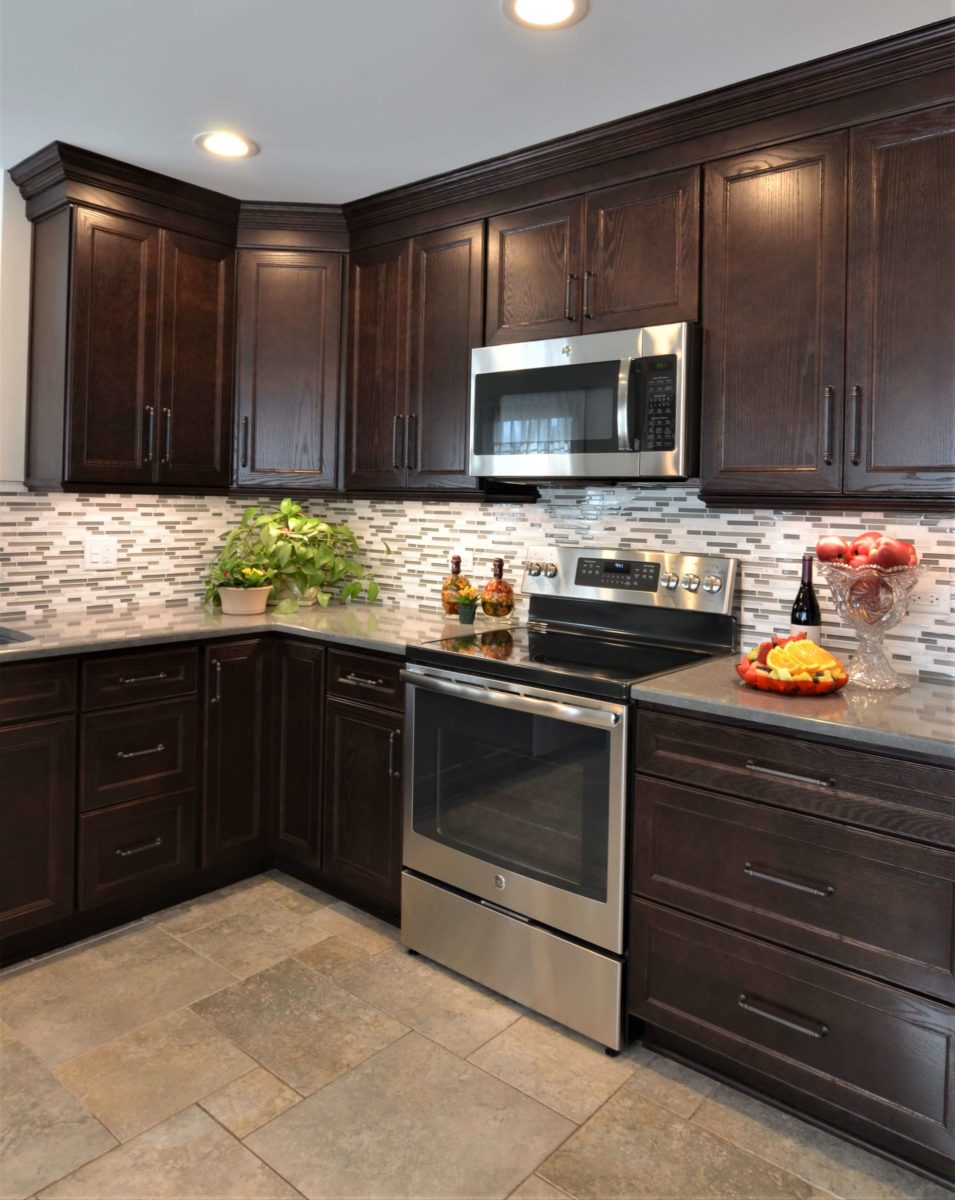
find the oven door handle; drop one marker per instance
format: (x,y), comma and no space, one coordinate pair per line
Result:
(624,432)
(578,714)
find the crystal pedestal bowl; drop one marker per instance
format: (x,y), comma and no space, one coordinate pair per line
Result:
(872,600)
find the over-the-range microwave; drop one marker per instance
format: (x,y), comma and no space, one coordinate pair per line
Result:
(620,406)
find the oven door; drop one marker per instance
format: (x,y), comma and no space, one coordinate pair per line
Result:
(517,796)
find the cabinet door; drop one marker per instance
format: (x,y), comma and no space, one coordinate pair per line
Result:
(37,819)
(643,253)
(288,328)
(235,800)
(533,273)
(447,322)
(900,418)
(194,420)
(377,368)
(112,429)
(773,311)
(298,749)
(361,839)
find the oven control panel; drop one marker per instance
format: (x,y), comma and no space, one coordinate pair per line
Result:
(618,573)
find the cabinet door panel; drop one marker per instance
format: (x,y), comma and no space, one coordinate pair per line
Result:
(901,352)
(298,746)
(112,436)
(361,842)
(288,328)
(377,368)
(37,818)
(447,321)
(773,308)
(533,273)
(643,253)
(195,361)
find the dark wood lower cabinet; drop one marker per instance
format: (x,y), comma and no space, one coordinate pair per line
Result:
(361,842)
(297,746)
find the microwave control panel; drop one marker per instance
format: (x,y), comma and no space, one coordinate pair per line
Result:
(658,402)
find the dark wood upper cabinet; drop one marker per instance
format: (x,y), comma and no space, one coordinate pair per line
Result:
(773,315)
(193,421)
(288,330)
(298,748)
(900,418)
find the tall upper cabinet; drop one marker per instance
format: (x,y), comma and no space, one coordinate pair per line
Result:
(131,325)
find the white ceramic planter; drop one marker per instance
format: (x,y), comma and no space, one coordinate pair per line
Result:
(244,602)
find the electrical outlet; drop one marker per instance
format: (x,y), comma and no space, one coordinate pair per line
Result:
(931,598)
(99,552)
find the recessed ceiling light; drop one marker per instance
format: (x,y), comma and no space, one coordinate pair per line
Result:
(223,144)
(545,14)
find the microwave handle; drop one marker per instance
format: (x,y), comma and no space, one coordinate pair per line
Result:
(626,382)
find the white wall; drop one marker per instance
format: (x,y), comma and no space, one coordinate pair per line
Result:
(14,332)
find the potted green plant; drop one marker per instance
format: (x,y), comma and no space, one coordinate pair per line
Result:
(240,579)
(467,599)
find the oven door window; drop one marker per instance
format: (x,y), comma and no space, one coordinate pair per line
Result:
(529,794)
(547,410)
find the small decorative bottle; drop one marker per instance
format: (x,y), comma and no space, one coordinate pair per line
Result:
(452,585)
(497,599)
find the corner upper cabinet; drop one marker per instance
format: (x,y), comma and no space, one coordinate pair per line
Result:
(288,331)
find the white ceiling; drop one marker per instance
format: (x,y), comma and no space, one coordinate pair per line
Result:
(349,97)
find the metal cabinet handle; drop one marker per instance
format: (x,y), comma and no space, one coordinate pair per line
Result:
(125,852)
(855,421)
(757,770)
(217,695)
(358,680)
(395,459)
(769,1012)
(569,314)
(392,741)
(167,450)
(588,311)
(150,432)
(813,889)
(828,395)
(144,678)
(140,753)
(245,441)
(411,447)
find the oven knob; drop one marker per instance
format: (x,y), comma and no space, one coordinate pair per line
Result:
(550,570)
(669,579)
(712,583)
(533,569)
(691,583)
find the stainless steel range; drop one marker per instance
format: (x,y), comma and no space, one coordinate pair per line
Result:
(517,780)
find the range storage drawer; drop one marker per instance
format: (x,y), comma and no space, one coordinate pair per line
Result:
(133,678)
(862,900)
(913,799)
(864,1047)
(37,689)
(146,750)
(365,679)
(130,848)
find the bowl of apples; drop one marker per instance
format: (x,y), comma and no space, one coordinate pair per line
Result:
(871,579)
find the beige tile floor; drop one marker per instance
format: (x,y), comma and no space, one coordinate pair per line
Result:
(266,1041)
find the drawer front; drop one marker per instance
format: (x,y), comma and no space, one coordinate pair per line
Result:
(882,1054)
(134,752)
(37,689)
(862,900)
(915,800)
(134,678)
(131,848)
(366,679)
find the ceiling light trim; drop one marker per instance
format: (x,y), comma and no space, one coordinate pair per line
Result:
(245,147)
(579,10)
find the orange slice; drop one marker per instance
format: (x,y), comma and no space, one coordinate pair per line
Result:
(801,656)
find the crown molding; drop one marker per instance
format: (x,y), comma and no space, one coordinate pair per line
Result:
(274,225)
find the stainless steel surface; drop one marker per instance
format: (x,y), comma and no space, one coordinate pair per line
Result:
(579,987)
(679,340)
(712,583)
(624,432)
(691,582)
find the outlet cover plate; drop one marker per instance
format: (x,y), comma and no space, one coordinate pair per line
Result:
(99,552)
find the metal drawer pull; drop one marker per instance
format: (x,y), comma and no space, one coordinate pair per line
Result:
(167,453)
(245,441)
(357,680)
(588,310)
(150,432)
(392,739)
(125,852)
(828,394)
(759,1008)
(139,753)
(569,314)
(757,770)
(855,424)
(813,889)
(396,424)
(144,678)
(217,696)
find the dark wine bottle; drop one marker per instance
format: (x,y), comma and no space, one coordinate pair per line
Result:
(806,617)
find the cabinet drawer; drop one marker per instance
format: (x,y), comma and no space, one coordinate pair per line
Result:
(877,1052)
(862,900)
(366,678)
(913,799)
(133,752)
(37,689)
(130,848)
(133,678)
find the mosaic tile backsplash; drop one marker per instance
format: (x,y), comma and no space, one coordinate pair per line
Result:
(164,545)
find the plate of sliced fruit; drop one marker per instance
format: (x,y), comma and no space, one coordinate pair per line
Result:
(793,666)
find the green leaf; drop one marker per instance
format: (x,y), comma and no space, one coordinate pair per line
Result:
(322,599)
(286,606)
(285,507)
(373,590)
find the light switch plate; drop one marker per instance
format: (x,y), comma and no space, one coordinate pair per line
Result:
(99,552)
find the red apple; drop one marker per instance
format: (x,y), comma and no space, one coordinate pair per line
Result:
(864,542)
(889,552)
(829,549)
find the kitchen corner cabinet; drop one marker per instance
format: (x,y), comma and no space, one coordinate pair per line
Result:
(416,312)
(829,269)
(288,332)
(297,749)
(237,691)
(617,258)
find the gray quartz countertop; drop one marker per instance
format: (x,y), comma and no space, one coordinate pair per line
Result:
(920,721)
